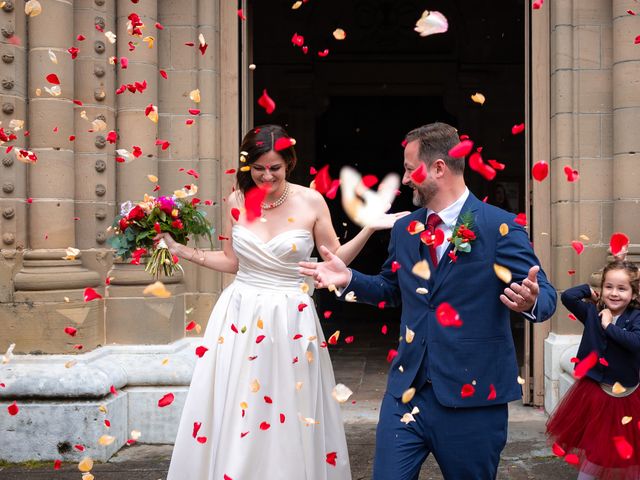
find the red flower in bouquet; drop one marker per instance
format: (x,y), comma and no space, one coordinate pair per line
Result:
(123,224)
(466,233)
(166,204)
(177,224)
(136,213)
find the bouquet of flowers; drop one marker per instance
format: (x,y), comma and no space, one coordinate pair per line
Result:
(137,225)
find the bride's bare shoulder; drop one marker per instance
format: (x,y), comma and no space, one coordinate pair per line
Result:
(306,194)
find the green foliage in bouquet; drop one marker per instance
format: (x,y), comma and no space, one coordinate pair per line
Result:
(137,225)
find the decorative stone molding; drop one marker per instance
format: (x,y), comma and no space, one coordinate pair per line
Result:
(101,237)
(7,32)
(98,46)
(8,213)
(101,214)
(98,71)
(99,22)
(8,187)
(100,166)
(101,190)
(100,141)
(8,84)
(7,161)
(8,6)
(8,58)
(99,94)
(8,238)
(7,108)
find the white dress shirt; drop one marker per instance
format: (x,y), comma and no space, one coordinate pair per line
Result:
(449,217)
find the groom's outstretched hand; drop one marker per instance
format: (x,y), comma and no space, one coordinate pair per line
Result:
(332,271)
(522,298)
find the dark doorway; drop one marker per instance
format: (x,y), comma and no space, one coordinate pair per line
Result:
(355,105)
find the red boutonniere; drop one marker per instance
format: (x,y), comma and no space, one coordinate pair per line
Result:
(462,236)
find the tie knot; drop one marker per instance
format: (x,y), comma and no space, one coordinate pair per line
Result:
(433,220)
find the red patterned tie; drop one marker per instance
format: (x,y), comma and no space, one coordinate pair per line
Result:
(432,222)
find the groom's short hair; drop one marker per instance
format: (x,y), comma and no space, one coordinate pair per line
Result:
(436,139)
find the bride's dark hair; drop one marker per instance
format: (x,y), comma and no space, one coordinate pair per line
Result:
(257,142)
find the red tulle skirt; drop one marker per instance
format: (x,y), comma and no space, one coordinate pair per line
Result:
(588,423)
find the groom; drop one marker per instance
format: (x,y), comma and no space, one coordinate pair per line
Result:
(456,367)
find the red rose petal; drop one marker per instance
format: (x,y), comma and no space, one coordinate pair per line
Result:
(384,329)
(322,181)
(419,174)
(323,53)
(618,242)
(516,129)
(521,219)
(252,202)
(540,170)
(558,450)
(572,317)
(537,5)
(190,326)
(603,361)
(90,294)
(476,163)
(572,175)
(297,336)
(201,350)
(113,390)
(13,409)
(496,165)
(260,338)
(467,390)
(571,272)
(297,40)
(283,143)
(462,149)
(381,304)
(327,314)
(447,316)
(349,339)
(57,464)
(234,328)
(196,428)
(53,79)
(235,213)
(391,355)
(163,74)
(202,439)
(166,400)
(79,447)
(282,418)
(369,180)
(71,331)
(302,306)
(266,102)
(267,399)
(331,458)
(395,266)
(264,426)
(624,448)
(577,246)
(492,392)
(586,364)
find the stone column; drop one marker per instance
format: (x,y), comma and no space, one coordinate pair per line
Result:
(13,174)
(581,133)
(626,115)
(95,88)
(46,279)
(129,319)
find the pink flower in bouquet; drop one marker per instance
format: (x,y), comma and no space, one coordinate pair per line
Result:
(166,204)
(136,213)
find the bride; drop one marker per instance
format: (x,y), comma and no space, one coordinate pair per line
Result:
(260,403)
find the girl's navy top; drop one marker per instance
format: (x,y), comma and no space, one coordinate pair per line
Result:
(619,344)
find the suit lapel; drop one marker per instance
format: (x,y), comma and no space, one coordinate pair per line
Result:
(446,264)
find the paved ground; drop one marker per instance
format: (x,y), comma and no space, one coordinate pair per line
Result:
(361,366)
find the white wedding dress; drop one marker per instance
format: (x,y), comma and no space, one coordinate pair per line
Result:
(260,403)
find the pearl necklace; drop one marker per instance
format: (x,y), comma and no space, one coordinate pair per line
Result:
(279,201)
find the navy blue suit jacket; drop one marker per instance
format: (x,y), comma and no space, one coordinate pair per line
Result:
(619,344)
(480,352)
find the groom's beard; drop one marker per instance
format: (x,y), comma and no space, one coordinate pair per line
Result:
(423,194)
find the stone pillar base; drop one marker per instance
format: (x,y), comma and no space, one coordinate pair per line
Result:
(556,379)
(60,404)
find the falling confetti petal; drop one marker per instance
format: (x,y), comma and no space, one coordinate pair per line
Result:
(503,273)
(478,98)
(624,448)
(339,34)
(572,175)
(166,400)
(266,102)
(86,464)
(431,23)
(341,393)
(618,242)
(618,388)
(90,294)
(422,270)
(577,246)
(409,335)
(504,229)
(467,390)
(157,289)
(540,170)
(408,395)
(32,8)
(447,316)
(585,365)
(516,129)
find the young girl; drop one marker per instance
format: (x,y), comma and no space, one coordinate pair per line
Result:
(599,416)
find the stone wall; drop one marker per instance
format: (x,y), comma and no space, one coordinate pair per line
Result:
(70,195)
(595,107)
